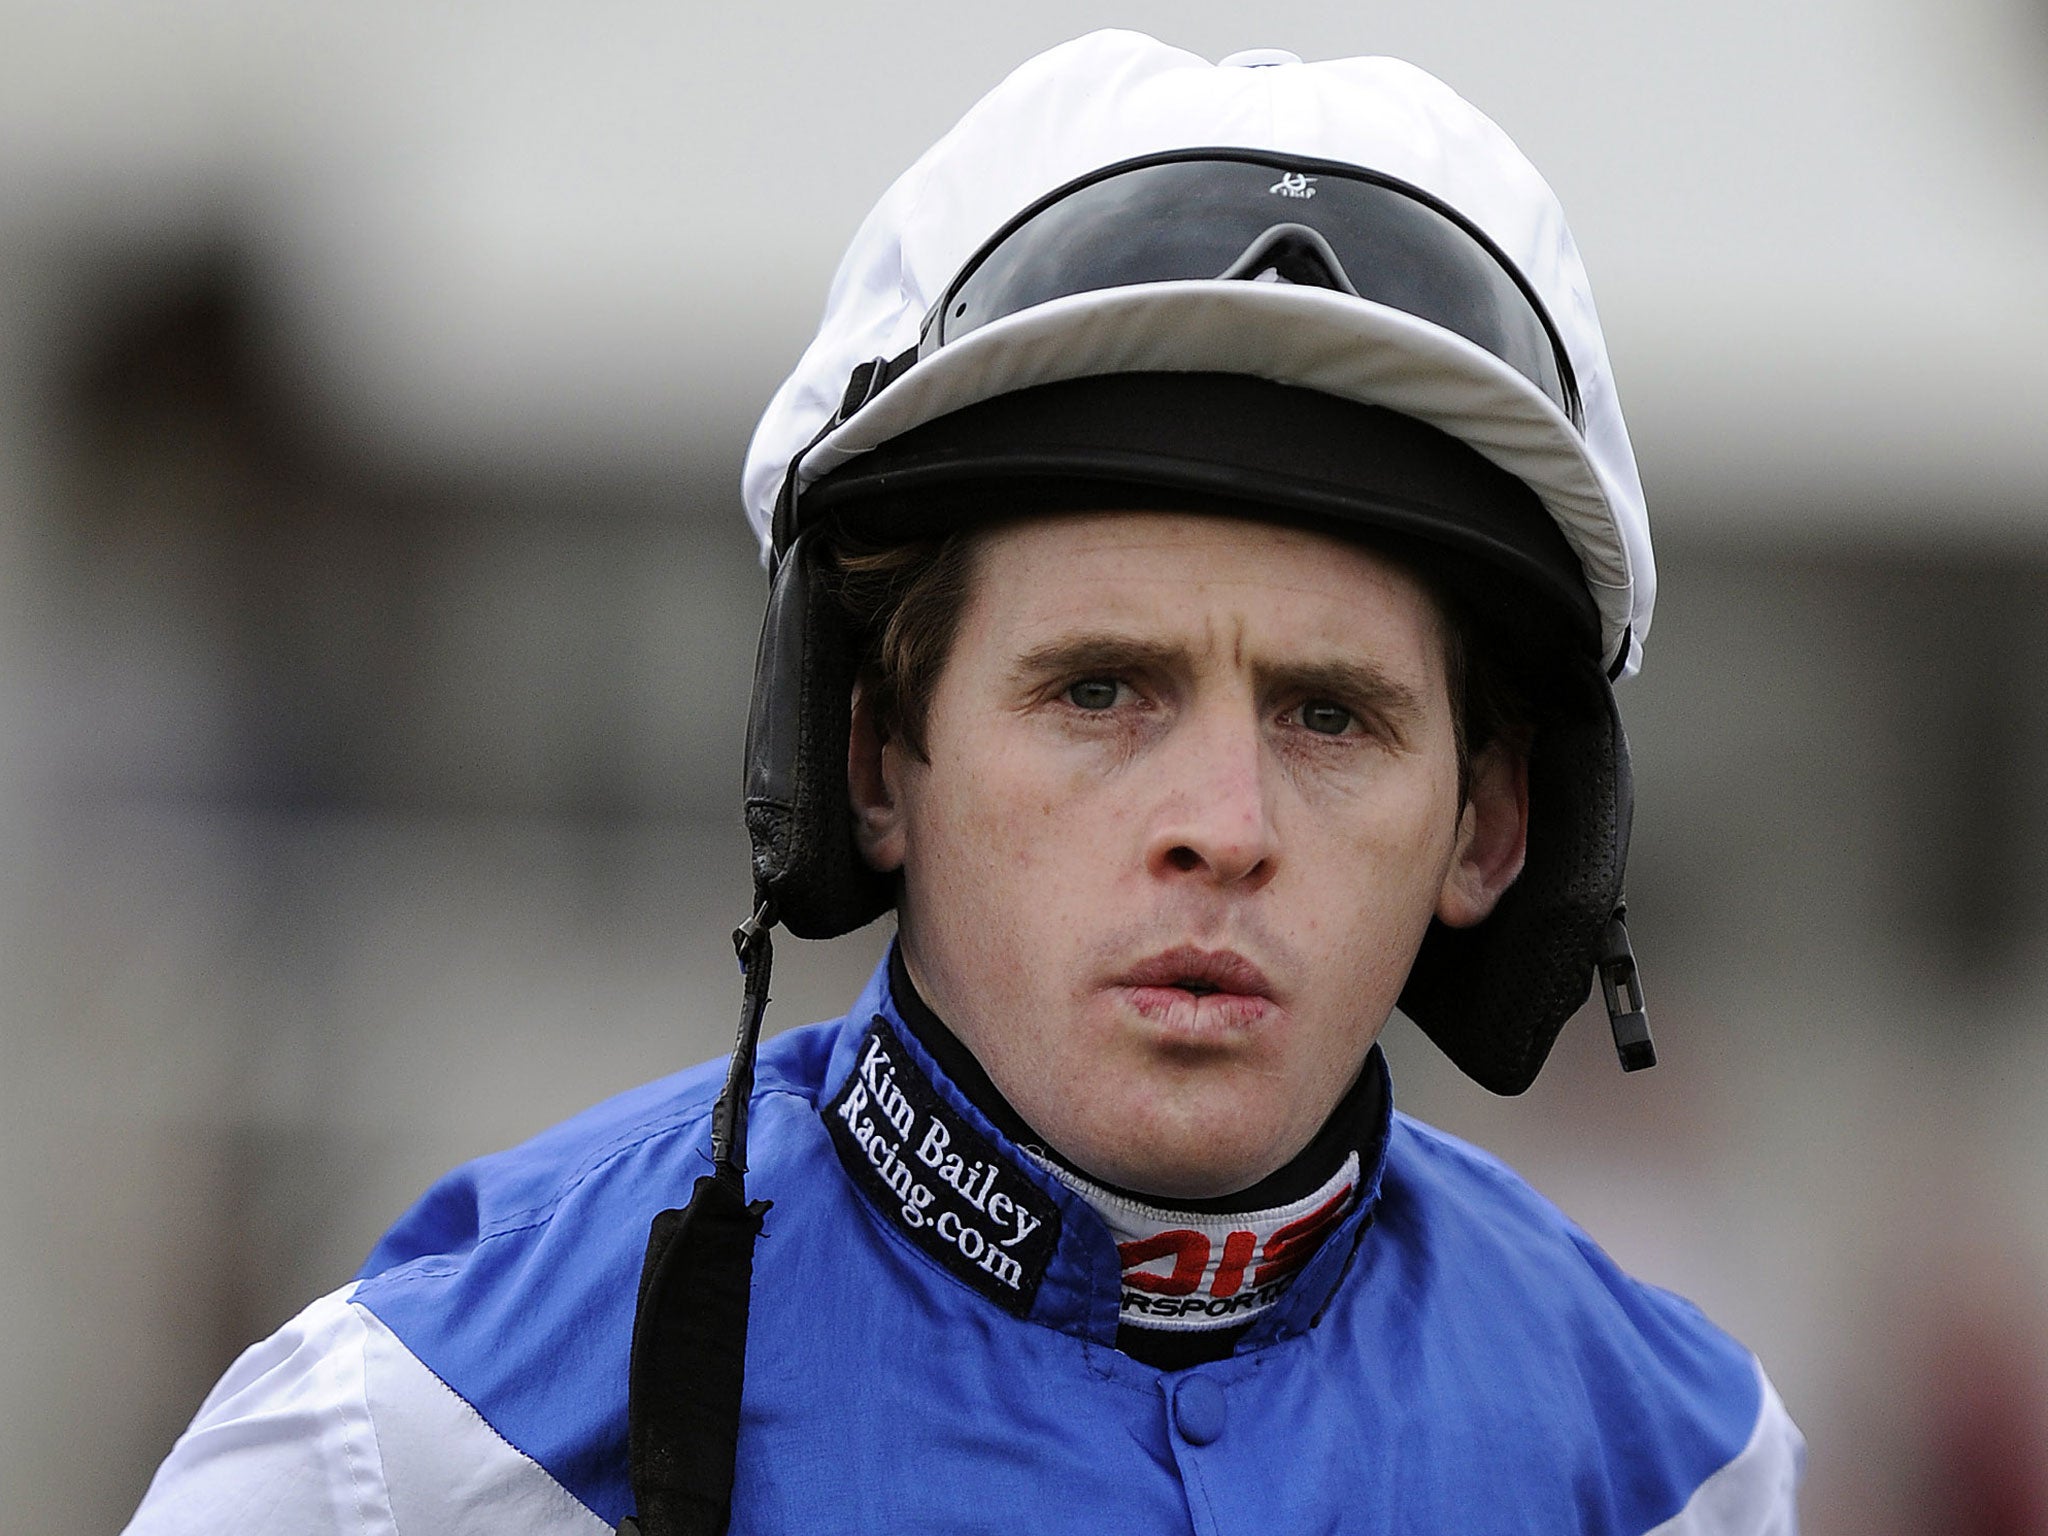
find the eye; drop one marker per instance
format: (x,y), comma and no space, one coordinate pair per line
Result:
(1092,693)
(1326,719)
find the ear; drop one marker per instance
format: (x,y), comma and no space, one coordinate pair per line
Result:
(873,786)
(1493,836)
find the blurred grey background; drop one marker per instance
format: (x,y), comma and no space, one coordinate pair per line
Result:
(376,617)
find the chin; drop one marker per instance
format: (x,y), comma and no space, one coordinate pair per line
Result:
(1193,1165)
(1188,1181)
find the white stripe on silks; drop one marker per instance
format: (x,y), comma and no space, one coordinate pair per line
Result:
(333,1426)
(1756,1493)
(284,1442)
(446,1470)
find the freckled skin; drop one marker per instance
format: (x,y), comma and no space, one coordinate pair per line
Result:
(1158,731)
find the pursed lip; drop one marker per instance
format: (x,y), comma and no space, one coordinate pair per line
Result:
(1198,997)
(1205,971)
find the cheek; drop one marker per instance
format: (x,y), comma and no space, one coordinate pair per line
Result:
(1022,797)
(1044,858)
(1043,839)
(1403,808)
(1380,858)
(982,824)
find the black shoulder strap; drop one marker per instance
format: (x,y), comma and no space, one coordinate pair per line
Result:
(689,1356)
(690,1328)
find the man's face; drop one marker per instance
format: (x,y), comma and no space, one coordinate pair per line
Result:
(1191,800)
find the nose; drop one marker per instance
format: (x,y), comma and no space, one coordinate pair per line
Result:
(1215,817)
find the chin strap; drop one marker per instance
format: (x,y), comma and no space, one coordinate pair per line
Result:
(1624,993)
(690,1329)
(750,941)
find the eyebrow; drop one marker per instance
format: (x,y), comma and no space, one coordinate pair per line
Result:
(1099,653)
(1355,683)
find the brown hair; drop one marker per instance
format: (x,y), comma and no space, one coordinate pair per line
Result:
(902,604)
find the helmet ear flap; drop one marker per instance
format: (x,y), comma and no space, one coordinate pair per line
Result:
(1494,997)
(798,816)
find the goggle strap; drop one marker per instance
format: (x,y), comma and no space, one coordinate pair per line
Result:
(866,381)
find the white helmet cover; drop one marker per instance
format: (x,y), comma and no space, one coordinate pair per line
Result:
(1115,96)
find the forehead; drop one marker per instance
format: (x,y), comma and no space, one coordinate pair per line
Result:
(1202,579)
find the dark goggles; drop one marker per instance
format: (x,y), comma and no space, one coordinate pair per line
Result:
(1221,213)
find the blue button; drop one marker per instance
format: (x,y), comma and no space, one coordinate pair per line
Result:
(1198,1409)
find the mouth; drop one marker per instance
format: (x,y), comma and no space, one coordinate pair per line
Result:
(1198,996)
(1200,973)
